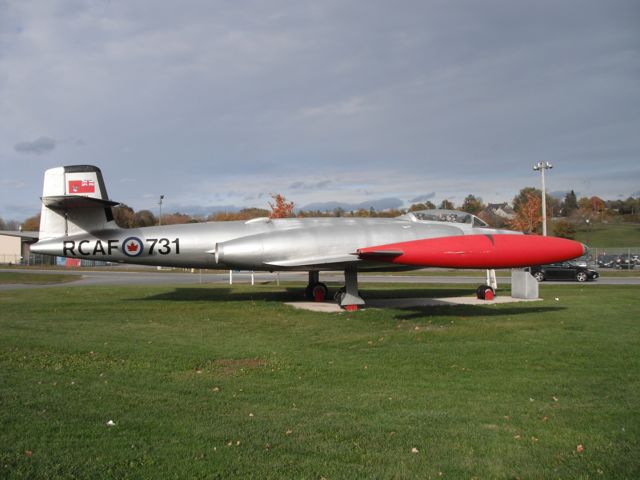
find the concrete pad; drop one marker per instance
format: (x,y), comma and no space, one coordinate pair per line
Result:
(331,307)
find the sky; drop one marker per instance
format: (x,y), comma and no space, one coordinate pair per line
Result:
(218,104)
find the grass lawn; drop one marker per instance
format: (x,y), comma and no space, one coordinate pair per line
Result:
(220,382)
(34,278)
(612,235)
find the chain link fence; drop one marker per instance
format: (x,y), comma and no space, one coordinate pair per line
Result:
(38,260)
(614,258)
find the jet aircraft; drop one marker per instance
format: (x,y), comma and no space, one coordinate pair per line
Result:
(77,221)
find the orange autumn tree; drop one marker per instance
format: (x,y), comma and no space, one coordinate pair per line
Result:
(281,208)
(528,217)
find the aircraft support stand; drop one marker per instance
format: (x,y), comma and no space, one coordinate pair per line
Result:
(350,300)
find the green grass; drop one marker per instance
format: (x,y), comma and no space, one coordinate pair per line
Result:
(601,235)
(219,382)
(34,278)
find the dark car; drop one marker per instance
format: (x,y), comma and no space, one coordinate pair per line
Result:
(563,271)
(607,261)
(625,262)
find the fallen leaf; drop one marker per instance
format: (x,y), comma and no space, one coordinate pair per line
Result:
(111,423)
(580,448)
(414,450)
(289,432)
(555,399)
(28,453)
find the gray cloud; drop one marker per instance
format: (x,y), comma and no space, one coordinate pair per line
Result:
(37,147)
(310,185)
(377,204)
(423,198)
(559,194)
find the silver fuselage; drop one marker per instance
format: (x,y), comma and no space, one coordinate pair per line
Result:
(260,244)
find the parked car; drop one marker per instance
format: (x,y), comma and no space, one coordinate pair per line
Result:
(563,271)
(624,262)
(607,261)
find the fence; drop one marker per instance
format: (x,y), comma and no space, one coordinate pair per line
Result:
(38,260)
(618,258)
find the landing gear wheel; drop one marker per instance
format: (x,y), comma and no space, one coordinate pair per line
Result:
(485,292)
(317,292)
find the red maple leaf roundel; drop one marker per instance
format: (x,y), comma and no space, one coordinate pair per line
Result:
(132,246)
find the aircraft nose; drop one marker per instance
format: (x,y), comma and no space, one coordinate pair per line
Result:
(585,249)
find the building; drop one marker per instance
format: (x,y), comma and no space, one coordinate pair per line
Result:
(13,249)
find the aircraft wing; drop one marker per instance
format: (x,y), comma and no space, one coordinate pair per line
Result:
(314,261)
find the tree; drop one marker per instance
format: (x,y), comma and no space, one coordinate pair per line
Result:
(597,205)
(564,229)
(124,216)
(584,205)
(446,205)
(2,224)
(422,206)
(144,218)
(177,218)
(528,215)
(523,196)
(569,204)
(31,224)
(472,205)
(281,208)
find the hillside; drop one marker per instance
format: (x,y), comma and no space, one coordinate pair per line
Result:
(610,235)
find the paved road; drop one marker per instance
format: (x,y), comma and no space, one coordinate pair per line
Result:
(180,278)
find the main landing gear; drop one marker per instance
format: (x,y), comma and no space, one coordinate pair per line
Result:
(316,291)
(348,296)
(488,291)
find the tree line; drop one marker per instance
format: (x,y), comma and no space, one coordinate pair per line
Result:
(569,212)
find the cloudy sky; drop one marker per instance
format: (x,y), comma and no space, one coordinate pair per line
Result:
(219,103)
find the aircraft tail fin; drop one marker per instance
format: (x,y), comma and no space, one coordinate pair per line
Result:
(74,200)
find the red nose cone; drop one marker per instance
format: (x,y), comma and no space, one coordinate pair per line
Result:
(477,251)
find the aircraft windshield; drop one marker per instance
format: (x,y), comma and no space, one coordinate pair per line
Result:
(451,216)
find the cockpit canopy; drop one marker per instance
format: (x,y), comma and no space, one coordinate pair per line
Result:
(439,215)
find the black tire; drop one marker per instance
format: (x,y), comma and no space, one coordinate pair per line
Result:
(582,277)
(539,276)
(481,291)
(308,293)
(324,291)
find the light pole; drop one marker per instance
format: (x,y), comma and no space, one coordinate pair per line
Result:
(160,204)
(542,166)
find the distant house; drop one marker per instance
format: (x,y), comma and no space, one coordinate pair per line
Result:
(502,210)
(497,214)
